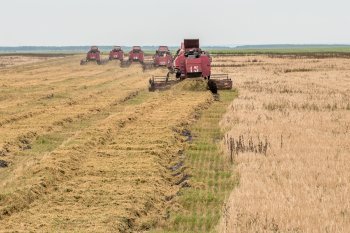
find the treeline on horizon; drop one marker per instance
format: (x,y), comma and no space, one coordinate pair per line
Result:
(215,49)
(103,48)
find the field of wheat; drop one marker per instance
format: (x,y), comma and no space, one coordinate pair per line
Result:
(289,138)
(89,149)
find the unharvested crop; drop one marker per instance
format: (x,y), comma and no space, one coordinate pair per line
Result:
(300,183)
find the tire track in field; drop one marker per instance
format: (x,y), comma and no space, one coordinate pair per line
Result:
(38,87)
(73,100)
(86,100)
(57,164)
(117,172)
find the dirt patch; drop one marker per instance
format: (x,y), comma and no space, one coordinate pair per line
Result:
(3,164)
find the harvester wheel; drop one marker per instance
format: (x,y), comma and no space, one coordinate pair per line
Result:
(212,86)
(152,86)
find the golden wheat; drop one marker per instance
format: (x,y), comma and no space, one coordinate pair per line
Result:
(89,149)
(300,107)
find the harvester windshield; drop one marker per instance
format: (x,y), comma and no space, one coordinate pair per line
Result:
(94,48)
(136,48)
(163,49)
(193,53)
(163,53)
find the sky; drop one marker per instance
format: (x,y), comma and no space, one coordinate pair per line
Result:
(168,22)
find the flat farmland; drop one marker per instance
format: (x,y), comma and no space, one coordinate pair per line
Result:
(89,149)
(288,133)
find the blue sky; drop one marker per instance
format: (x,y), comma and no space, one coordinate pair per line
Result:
(153,22)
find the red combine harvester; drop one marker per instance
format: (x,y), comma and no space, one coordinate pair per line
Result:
(191,62)
(163,57)
(92,55)
(136,54)
(116,53)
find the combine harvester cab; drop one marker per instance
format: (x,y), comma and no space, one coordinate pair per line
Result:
(92,55)
(116,54)
(136,54)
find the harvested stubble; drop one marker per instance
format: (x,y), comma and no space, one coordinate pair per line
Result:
(192,85)
(15,60)
(88,148)
(302,184)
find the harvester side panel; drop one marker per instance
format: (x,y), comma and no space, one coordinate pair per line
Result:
(193,65)
(206,66)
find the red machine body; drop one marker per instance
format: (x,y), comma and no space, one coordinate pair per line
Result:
(163,57)
(116,53)
(191,61)
(136,54)
(93,54)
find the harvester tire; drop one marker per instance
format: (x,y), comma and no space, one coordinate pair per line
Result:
(212,86)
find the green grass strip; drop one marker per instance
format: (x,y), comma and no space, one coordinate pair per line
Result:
(211,179)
